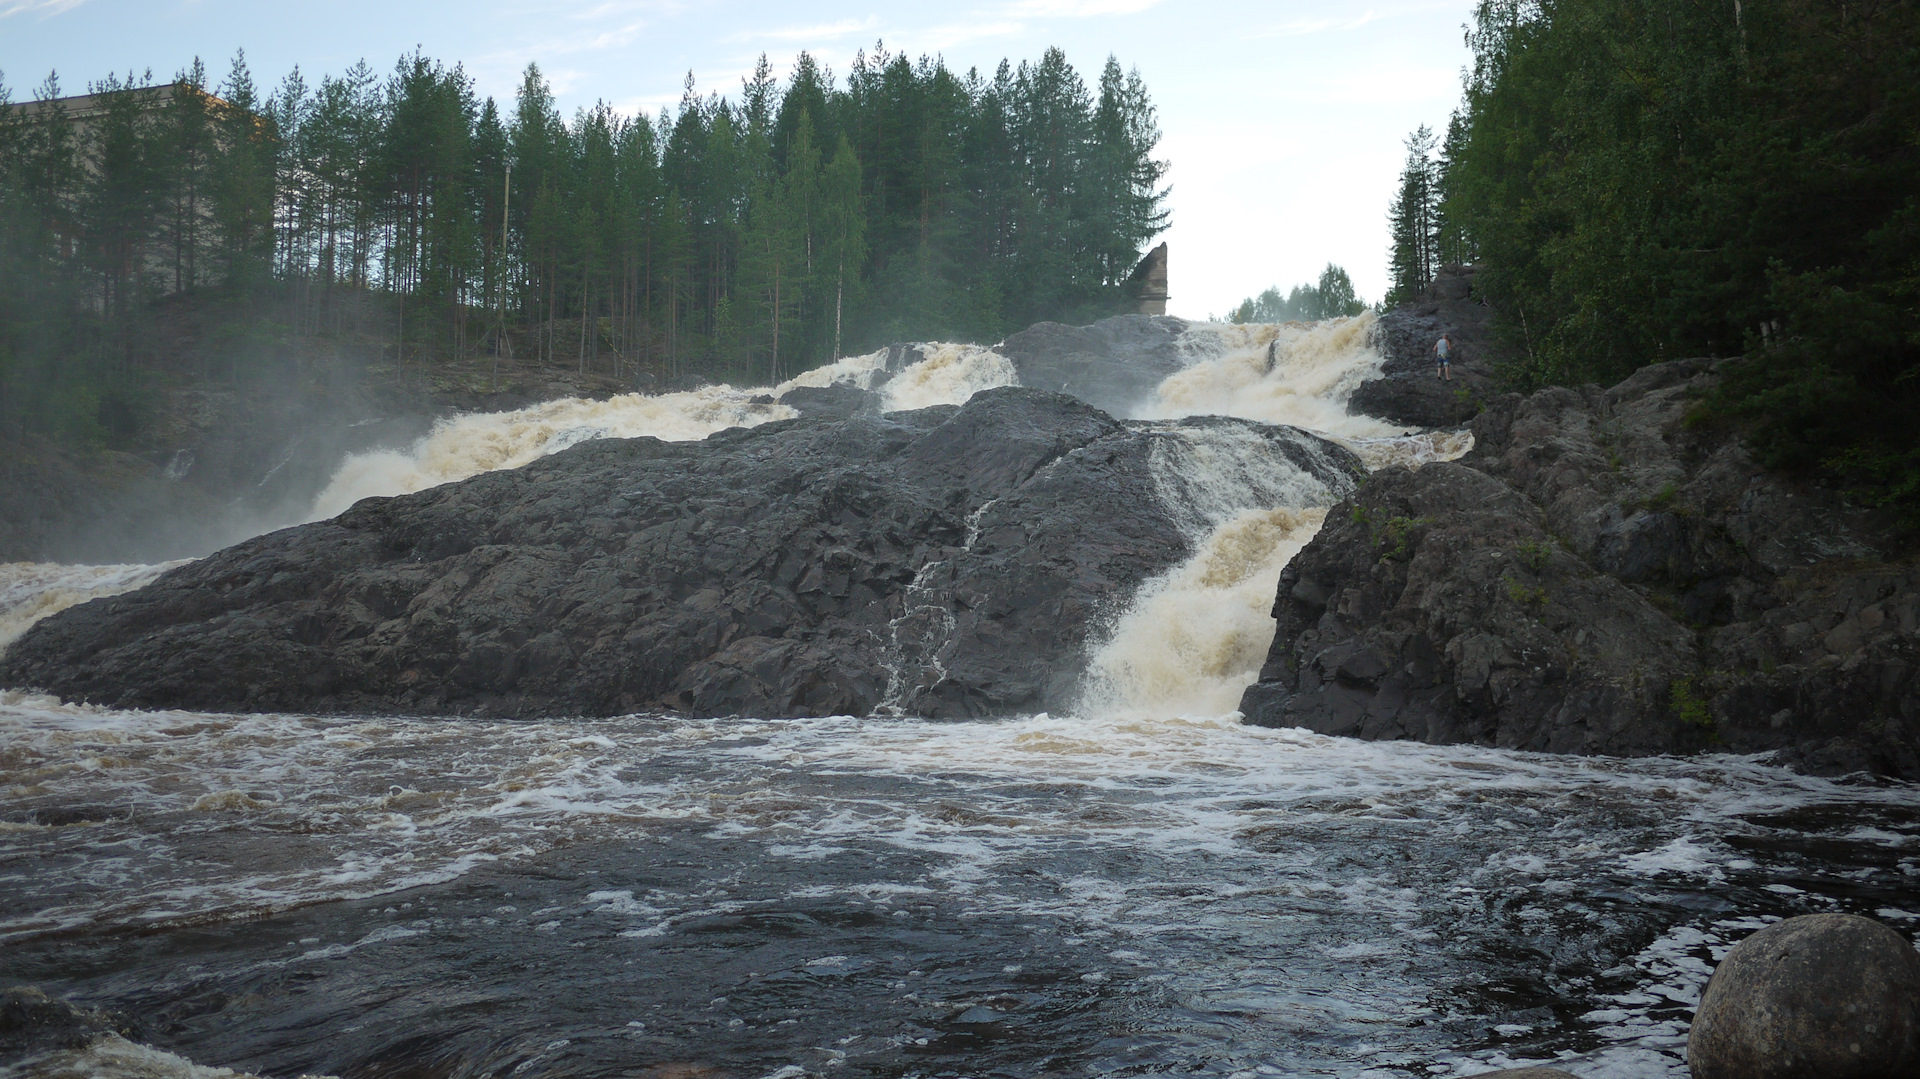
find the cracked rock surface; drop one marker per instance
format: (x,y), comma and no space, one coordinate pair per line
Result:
(1597,577)
(944,562)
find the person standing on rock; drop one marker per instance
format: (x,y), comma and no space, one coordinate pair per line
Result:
(1443,349)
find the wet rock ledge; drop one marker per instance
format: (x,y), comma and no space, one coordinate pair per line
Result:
(947,561)
(1596,577)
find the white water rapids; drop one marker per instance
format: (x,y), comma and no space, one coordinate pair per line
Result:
(1298,374)
(1144,887)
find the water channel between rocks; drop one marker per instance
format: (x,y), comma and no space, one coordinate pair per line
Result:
(1146,887)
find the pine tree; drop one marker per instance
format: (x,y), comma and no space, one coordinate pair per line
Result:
(1413,221)
(246,150)
(843,246)
(749,237)
(190,155)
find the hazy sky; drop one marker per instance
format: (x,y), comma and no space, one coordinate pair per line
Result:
(1283,120)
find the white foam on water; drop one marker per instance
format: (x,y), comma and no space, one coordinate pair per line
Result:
(1297,373)
(450,794)
(948,374)
(464,446)
(112,1057)
(1412,450)
(213,817)
(1192,639)
(30,591)
(467,445)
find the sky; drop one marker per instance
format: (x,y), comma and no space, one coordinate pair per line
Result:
(1283,120)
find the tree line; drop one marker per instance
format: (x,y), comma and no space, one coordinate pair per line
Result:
(1642,181)
(743,238)
(1332,296)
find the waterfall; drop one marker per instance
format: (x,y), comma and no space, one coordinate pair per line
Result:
(1190,640)
(30,591)
(1193,639)
(1296,373)
(467,445)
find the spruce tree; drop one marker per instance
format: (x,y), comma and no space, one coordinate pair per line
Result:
(1413,221)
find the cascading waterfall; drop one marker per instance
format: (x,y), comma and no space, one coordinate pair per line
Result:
(1297,374)
(30,591)
(466,445)
(483,442)
(947,375)
(1294,373)
(1193,638)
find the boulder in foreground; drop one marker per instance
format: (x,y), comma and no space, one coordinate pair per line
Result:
(1824,996)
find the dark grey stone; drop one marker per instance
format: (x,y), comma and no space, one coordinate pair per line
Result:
(1409,390)
(1114,364)
(32,1023)
(1823,996)
(947,562)
(1597,576)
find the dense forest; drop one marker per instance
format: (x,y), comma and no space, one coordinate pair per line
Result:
(1642,181)
(742,238)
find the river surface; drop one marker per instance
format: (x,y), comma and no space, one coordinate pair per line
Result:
(1028,897)
(1144,888)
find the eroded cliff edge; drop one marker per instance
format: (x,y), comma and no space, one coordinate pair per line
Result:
(944,562)
(1597,577)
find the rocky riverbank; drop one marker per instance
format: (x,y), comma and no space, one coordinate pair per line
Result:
(945,562)
(1598,576)
(1409,390)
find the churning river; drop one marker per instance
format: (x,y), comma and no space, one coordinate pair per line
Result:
(1144,888)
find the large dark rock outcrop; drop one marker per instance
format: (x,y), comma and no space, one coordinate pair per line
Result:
(947,562)
(1114,364)
(1408,390)
(1596,576)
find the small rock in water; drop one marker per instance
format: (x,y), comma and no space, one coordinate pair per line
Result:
(32,1022)
(1832,996)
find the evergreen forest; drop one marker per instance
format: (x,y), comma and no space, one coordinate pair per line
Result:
(1642,180)
(742,238)
(1332,296)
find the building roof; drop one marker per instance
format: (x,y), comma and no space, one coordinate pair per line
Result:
(87,106)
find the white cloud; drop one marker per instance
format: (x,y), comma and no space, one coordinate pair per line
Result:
(820,32)
(935,39)
(46,8)
(1076,9)
(1303,27)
